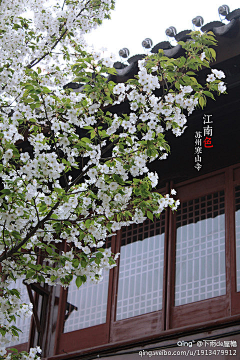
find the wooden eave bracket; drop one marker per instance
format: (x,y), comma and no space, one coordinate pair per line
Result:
(41,291)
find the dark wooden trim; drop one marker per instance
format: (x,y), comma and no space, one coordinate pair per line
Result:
(61,310)
(46,318)
(165,335)
(228,234)
(236,176)
(115,285)
(137,326)
(203,177)
(39,289)
(35,314)
(31,334)
(201,187)
(235,296)
(165,270)
(50,333)
(21,347)
(111,289)
(80,339)
(229,219)
(235,168)
(199,312)
(170,267)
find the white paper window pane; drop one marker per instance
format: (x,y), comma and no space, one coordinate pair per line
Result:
(140,282)
(237,221)
(87,305)
(200,249)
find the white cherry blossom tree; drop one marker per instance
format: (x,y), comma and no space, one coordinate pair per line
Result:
(72,171)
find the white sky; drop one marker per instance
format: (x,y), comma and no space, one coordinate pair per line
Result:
(134,20)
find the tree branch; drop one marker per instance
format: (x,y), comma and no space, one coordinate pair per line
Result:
(10,252)
(36,61)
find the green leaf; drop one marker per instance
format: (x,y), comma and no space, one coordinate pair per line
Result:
(213,53)
(30,274)
(15,234)
(191,73)
(82,235)
(40,278)
(28,87)
(15,333)
(118,179)
(78,281)
(6,192)
(93,134)
(209,94)
(46,90)
(49,250)
(112,71)
(150,215)
(86,140)
(88,222)
(75,263)
(202,101)
(15,292)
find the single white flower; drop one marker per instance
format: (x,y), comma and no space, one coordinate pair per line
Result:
(218,73)
(202,56)
(113,186)
(211,78)
(154,178)
(134,106)
(222,87)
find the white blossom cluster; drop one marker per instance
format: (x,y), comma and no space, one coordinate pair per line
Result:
(11,306)
(34,32)
(30,30)
(168,109)
(217,74)
(32,355)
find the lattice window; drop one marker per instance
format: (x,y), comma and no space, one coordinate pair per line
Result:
(87,306)
(200,249)
(140,281)
(21,323)
(237,220)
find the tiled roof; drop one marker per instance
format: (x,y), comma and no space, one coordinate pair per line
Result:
(220,30)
